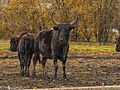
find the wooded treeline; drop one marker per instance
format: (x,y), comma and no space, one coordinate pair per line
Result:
(99,20)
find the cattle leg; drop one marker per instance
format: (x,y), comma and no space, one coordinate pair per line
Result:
(27,66)
(22,65)
(64,67)
(56,68)
(22,69)
(34,65)
(43,65)
(36,56)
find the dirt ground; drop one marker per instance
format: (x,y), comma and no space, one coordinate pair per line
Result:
(80,70)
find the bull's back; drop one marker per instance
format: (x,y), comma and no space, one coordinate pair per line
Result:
(26,44)
(45,38)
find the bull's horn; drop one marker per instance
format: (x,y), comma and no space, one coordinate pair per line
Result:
(76,19)
(56,23)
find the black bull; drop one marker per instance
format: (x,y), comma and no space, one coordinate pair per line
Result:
(24,45)
(117,42)
(53,44)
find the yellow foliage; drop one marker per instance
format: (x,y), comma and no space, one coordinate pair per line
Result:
(34,15)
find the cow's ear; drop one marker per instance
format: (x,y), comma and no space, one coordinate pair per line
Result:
(72,28)
(55,28)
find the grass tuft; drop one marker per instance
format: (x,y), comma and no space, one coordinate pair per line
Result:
(4,44)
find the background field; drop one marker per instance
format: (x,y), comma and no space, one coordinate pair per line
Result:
(89,64)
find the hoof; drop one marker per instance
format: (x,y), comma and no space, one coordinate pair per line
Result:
(64,76)
(27,75)
(45,74)
(22,74)
(34,74)
(55,78)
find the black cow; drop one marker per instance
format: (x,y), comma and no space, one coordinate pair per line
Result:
(24,45)
(117,44)
(53,44)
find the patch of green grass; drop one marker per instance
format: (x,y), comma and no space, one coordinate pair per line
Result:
(91,47)
(4,44)
(75,47)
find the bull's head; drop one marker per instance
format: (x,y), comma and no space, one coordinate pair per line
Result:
(64,29)
(13,44)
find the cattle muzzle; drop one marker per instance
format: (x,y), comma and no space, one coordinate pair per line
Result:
(13,50)
(62,41)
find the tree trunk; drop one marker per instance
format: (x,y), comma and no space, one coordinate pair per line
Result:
(43,23)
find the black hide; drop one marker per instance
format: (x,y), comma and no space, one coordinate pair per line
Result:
(25,46)
(52,44)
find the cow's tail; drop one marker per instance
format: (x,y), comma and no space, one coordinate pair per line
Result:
(36,51)
(27,46)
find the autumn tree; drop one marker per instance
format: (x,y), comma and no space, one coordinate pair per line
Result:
(21,16)
(96,18)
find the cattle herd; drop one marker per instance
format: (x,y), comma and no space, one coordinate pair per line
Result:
(51,44)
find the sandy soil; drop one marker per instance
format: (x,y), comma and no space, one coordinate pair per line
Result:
(81,71)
